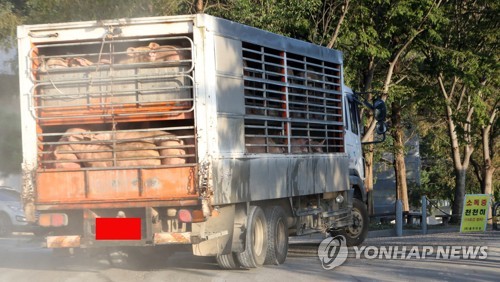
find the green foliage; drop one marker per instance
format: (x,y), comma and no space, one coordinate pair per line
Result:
(436,176)
(375,31)
(289,18)
(10,123)
(10,140)
(463,50)
(458,39)
(47,11)
(9,19)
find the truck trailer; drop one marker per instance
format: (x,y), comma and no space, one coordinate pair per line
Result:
(187,130)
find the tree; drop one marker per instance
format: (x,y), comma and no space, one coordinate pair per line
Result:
(486,162)
(273,15)
(379,36)
(9,19)
(327,21)
(487,82)
(463,60)
(46,11)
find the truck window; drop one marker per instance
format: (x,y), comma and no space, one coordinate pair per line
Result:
(347,116)
(353,110)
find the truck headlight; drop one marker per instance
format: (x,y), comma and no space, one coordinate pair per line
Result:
(339,199)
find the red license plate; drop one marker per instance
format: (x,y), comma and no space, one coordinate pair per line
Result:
(117,228)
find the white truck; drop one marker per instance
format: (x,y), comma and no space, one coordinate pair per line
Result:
(150,132)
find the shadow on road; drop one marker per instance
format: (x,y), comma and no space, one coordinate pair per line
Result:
(26,252)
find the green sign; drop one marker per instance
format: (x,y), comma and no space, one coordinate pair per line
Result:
(475,213)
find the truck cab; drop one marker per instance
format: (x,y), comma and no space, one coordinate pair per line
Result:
(353,142)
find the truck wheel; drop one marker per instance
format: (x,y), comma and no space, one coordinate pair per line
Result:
(277,236)
(356,233)
(228,261)
(5,225)
(255,240)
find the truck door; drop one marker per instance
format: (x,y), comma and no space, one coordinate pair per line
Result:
(352,137)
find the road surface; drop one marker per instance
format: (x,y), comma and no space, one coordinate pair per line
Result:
(23,259)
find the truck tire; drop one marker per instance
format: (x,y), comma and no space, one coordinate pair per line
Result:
(5,225)
(228,261)
(255,239)
(277,236)
(356,233)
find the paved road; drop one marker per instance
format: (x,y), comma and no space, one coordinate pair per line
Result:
(22,259)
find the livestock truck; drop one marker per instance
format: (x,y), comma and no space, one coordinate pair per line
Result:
(148,133)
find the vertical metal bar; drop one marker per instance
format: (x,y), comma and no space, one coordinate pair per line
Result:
(424,215)
(86,182)
(140,184)
(399,218)
(149,221)
(286,105)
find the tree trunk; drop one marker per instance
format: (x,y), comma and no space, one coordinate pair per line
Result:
(489,141)
(368,149)
(370,128)
(345,8)
(368,154)
(488,189)
(458,202)
(199,6)
(460,166)
(399,156)
(488,181)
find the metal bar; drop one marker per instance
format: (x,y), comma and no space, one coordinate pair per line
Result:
(399,218)
(424,215)
(139,203)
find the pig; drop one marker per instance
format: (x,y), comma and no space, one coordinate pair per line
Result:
(161,53)
(169,152)
(165,142)
(303,146)
(153,137)
(270,148)
(132,148)
(137,154)
(188,139)
(89,149)
(66,159)
(63,156)
(79,62)
(315,146)
(299,146)
(51,63)
(136,55)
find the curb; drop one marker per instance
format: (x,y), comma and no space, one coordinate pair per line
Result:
(318,237)
(410,232)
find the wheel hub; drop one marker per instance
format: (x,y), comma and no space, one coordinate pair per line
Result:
(355,228)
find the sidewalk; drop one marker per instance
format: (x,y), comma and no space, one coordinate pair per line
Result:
(489,238)
(439,236)
(411,232)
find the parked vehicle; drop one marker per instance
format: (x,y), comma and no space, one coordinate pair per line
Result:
(12,217)
(188,130)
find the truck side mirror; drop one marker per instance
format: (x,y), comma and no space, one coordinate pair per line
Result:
(381,127)
(380,110)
